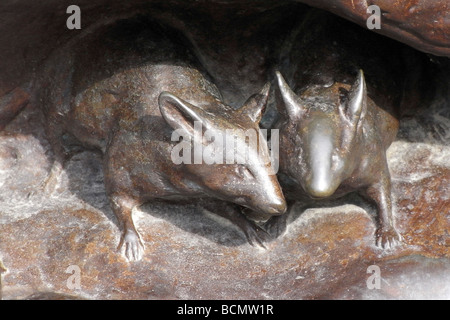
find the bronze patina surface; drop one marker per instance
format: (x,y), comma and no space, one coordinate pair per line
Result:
(330,148)
(124,91)
(61,243)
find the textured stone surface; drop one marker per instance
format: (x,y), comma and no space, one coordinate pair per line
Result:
(190,254)
(422,24)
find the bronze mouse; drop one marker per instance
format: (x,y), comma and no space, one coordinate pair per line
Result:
(124,91)
(333,141)
(336,121)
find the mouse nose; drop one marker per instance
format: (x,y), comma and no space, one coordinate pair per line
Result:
(319,189)
(276,208)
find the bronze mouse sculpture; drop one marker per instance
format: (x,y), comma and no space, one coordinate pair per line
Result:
(124,91)
(333,141)
(335,121)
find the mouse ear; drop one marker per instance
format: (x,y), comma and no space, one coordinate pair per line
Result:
(180,114)
(255,106)
(357,99)
(293,107)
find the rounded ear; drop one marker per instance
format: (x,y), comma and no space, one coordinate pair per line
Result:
(178,113)
(255,106)
(293,107)
(357,99)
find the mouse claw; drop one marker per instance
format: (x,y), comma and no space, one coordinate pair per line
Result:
(133,246)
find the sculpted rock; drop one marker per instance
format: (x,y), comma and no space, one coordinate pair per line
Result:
(324,254)
(421,24)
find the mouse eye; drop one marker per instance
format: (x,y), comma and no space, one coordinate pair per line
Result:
(244,172)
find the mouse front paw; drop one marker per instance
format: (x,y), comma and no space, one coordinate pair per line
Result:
(132,246)
(387,238)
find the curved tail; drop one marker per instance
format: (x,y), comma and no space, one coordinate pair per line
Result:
(11,104)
